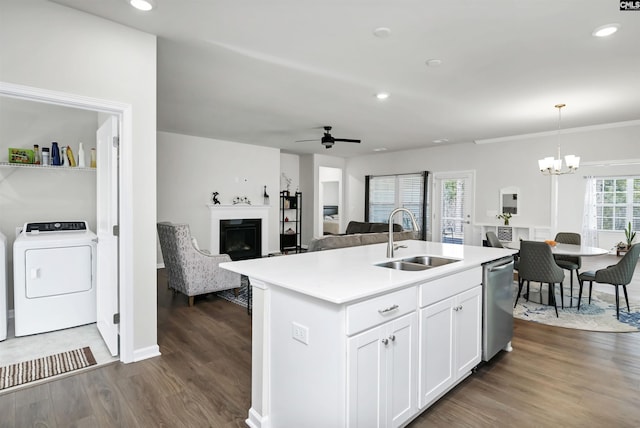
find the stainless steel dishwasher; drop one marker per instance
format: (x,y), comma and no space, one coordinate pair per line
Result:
(497,311)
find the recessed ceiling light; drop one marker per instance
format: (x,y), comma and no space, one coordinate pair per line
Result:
(433,62)
(380,149)
(143,5)
(382,32)
(440,141)
(382,95)
(605,30)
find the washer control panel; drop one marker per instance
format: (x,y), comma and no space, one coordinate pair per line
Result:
(55,226)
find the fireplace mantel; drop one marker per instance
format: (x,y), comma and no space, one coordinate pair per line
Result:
(236,212)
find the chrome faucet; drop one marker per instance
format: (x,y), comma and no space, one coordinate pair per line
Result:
(390,247)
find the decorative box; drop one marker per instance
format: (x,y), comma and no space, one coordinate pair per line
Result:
(20,155)
(505,233)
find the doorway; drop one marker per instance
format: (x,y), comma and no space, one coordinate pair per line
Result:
(330,198)
(113,290)
(453,201)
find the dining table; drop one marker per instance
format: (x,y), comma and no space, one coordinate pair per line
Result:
(564,250)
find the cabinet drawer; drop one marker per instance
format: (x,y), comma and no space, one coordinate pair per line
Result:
(378,310)
(441,288)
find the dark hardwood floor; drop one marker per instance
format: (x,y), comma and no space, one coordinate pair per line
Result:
(554,377)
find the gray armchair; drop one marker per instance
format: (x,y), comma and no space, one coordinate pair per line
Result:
(617,275)
(537,264)
(192,271)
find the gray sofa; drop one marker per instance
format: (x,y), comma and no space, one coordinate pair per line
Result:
(329,242)
(370,227)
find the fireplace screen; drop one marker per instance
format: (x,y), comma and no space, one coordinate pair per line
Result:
(241,239)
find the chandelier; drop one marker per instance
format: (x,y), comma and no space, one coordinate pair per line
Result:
(551,166)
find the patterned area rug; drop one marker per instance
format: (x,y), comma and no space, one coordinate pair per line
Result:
(242,298)
(600,315)
(42,368)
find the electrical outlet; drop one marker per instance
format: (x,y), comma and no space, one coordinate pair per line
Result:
(300,333)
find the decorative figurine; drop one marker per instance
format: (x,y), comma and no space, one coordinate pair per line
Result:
(265,196)
(214,198)
(241,200)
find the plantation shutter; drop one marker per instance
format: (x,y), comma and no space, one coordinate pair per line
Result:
(386,192)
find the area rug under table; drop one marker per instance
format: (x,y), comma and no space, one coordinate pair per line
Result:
(42,368)
(600,315)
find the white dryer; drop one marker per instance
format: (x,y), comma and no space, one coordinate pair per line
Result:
(3,287)
(54,277)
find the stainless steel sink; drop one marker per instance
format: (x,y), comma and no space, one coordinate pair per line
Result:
(417,263)
(431,261)
(401,265)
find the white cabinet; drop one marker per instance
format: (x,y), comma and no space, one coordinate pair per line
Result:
(382,374)
(537,233)
(450,342)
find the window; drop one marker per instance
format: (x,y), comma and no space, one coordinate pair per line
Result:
(618,202)
(383,193)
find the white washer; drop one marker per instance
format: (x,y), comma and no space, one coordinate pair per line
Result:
(3,287)
(54,281)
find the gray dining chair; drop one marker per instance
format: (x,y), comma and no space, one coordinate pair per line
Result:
(617,275)
(570,263)
(538,265)
(493,241)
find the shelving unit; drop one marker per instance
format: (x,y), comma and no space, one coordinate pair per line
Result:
(290,222)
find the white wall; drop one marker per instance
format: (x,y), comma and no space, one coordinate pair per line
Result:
(32,194)
(48,46)
(289,167)
(191,168)
(511,163)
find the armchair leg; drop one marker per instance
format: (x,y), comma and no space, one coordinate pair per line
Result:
(191,299)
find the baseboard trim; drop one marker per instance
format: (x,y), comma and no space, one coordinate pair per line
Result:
(146,353)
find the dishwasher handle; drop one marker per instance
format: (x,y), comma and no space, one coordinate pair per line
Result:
(500,266)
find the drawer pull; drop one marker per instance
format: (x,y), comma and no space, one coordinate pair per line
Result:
(389,309)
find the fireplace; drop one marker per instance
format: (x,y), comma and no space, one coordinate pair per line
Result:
(241,239)
(218,213)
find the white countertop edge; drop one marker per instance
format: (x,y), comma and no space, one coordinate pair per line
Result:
(349,274)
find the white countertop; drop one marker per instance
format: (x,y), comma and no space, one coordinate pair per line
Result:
(349,274)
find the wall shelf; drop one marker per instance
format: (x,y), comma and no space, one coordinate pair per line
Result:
(49,167)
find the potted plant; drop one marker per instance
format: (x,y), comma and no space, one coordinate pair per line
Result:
(630,235)
(505,217)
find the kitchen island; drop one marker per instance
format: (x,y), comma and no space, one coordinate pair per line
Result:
(338,341)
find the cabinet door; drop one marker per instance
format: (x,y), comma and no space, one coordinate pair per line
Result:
(366,379)
(436,350)
(468,330)
(402,370)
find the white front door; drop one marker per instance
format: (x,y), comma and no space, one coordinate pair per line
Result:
(453,200)
(107,218)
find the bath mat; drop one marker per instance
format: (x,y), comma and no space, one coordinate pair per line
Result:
(42,368)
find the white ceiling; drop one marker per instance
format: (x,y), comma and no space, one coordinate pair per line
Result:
(273,72)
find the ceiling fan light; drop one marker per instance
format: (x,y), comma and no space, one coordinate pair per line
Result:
(143,5)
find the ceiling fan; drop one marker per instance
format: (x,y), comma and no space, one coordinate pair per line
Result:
(327,139)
